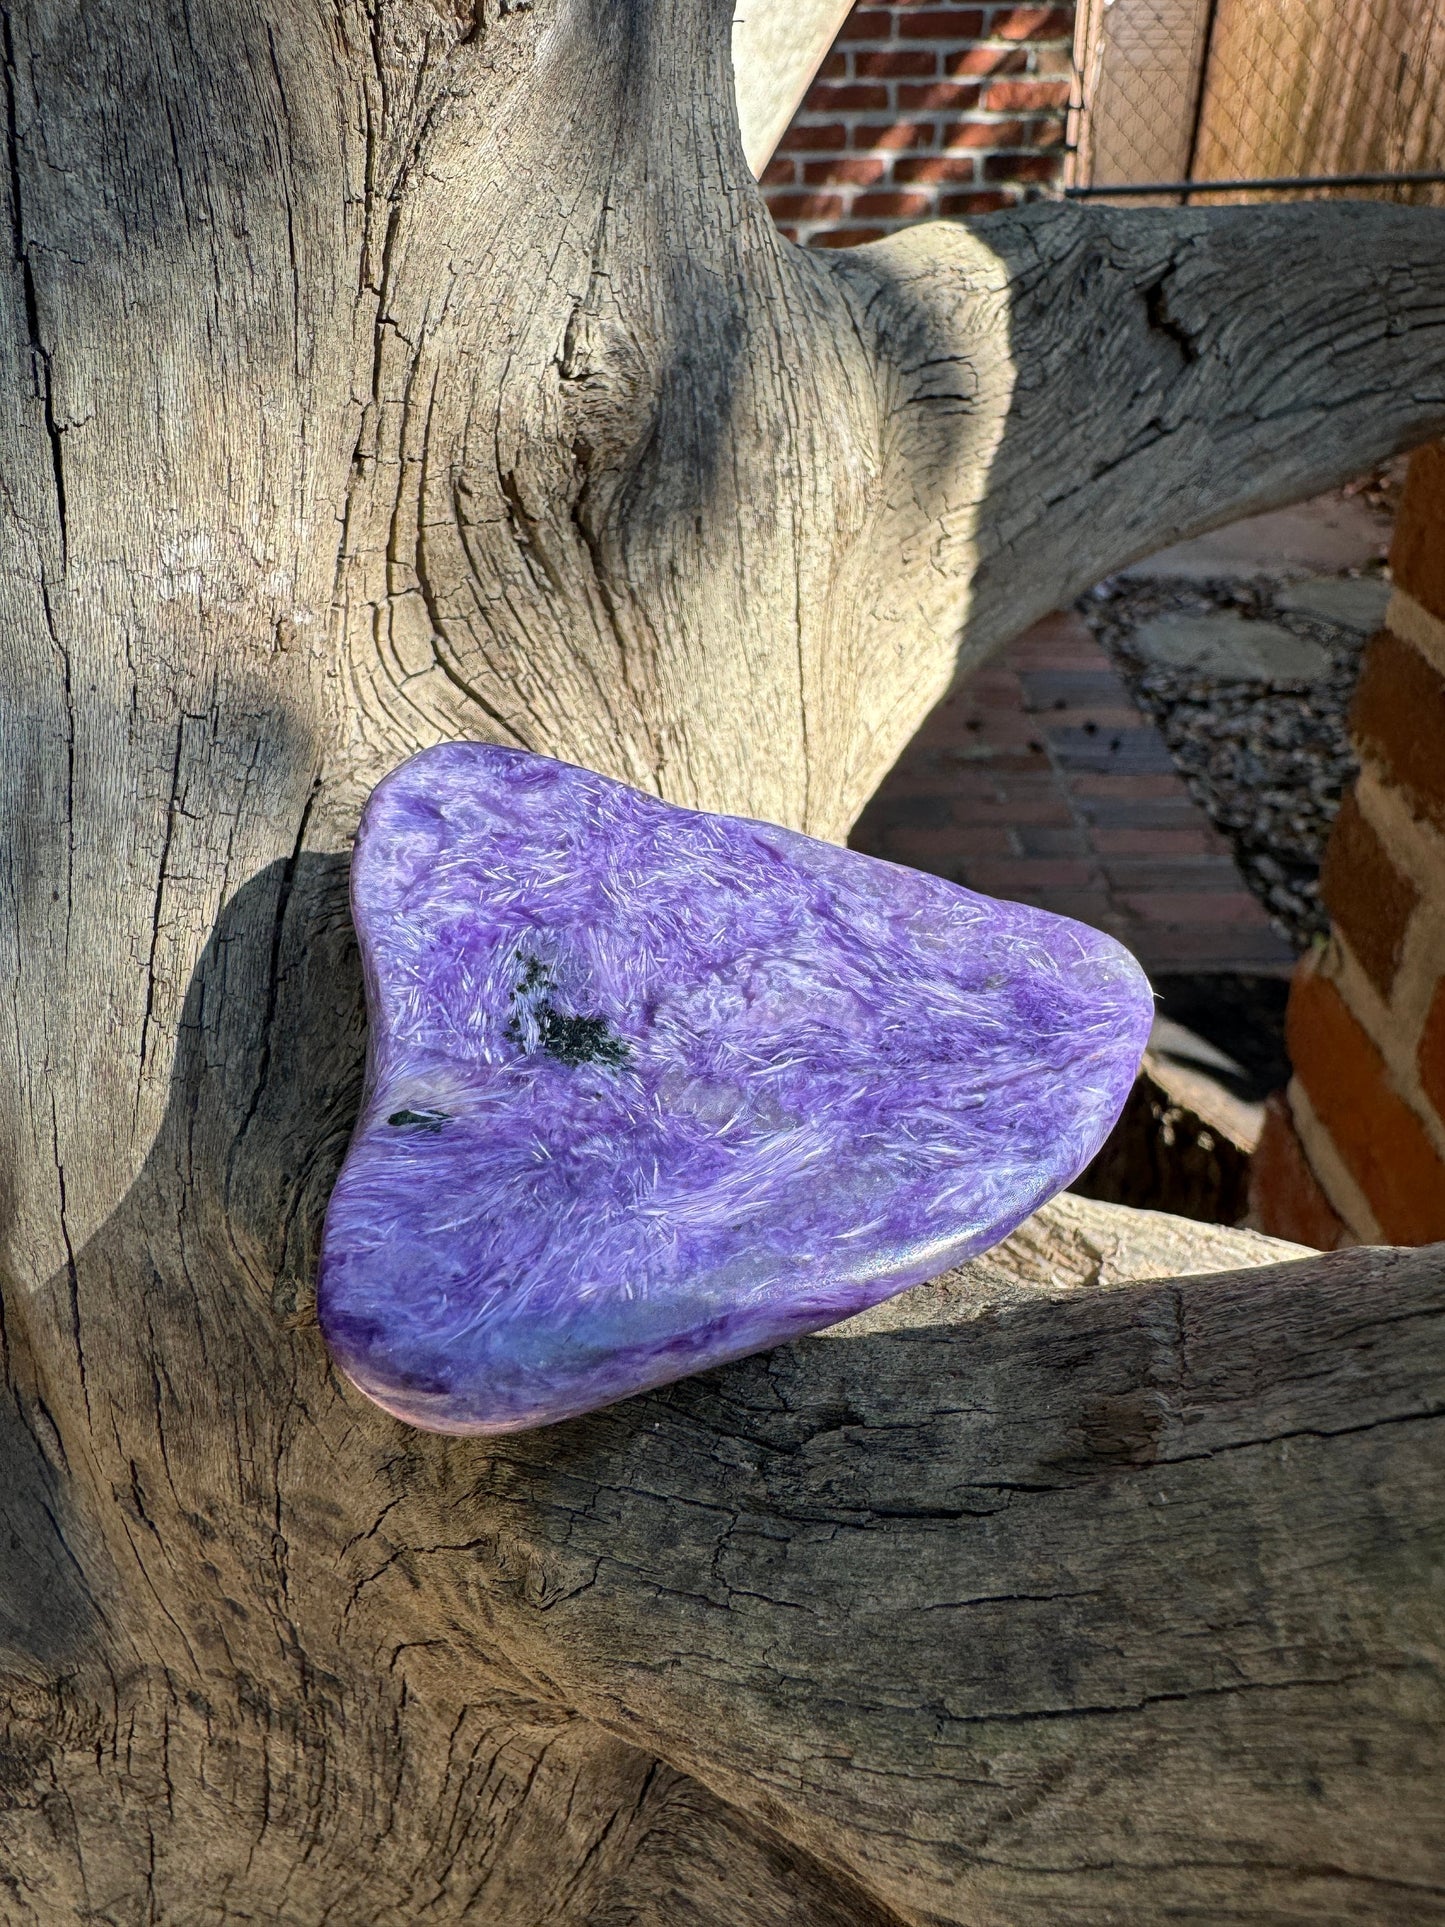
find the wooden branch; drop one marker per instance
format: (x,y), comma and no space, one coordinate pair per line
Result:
(1145,375)
(375,375)
(1027,1602)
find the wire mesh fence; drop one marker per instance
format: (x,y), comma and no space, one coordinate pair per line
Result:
(1294,99)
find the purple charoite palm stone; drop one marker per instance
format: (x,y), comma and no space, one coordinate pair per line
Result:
(650,1089)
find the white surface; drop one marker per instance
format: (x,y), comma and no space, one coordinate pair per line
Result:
(778,46)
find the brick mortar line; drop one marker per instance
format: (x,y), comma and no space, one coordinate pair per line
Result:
(945,47)
(1380,1022)
(1331,1172)
(1412,622)
(970,116)
(1417,847)
(922,112)
(933,123)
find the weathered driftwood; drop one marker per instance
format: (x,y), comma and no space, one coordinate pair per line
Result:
(373,374)
(1025,1602)
(1185,1138)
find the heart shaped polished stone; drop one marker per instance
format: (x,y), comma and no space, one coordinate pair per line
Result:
(649,1089)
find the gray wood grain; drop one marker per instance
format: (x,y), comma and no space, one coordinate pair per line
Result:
(1107,1604)
(376,374)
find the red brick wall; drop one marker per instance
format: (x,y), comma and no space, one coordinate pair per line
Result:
(924,108)
(1359,1146)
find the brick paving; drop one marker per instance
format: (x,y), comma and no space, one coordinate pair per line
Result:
(1038,780)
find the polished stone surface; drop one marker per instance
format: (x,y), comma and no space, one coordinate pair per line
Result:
(650,1089)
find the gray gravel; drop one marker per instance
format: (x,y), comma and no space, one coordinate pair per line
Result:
(1267,759)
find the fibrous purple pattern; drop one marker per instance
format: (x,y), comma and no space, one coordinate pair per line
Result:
(650,1089)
